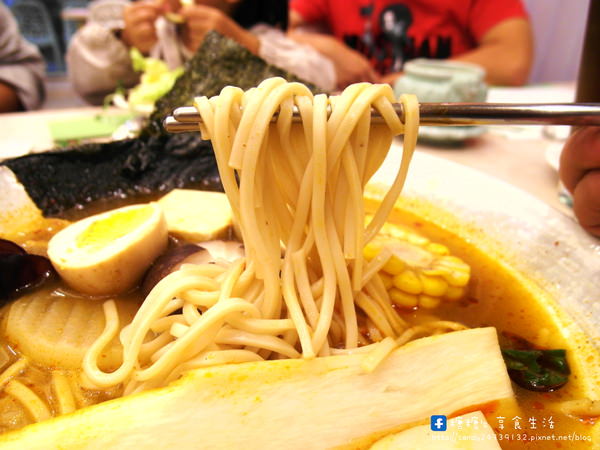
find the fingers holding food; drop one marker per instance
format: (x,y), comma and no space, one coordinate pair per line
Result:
(200,19)
(139,30)
(352,67)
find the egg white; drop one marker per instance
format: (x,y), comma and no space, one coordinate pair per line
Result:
(118,265)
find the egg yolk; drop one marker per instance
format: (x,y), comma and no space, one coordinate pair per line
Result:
(114,226)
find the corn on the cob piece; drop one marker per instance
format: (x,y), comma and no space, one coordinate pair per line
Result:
(419,273)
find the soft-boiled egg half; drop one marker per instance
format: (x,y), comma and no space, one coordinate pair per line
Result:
(108,253)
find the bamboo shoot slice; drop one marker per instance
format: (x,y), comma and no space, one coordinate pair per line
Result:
(467,432)
(303,404)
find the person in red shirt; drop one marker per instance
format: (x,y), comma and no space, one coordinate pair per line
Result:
(369,40)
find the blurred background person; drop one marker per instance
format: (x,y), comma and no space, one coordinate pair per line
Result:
(371,41)
(98,55)
(22,68)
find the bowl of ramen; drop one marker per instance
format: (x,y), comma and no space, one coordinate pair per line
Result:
(308,306)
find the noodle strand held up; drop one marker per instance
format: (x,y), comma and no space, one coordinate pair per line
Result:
(295,188)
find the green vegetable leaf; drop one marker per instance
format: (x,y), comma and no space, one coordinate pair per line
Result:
(156,80)
(537,370)
(137,60)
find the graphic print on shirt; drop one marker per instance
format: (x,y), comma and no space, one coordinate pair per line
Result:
(391,46)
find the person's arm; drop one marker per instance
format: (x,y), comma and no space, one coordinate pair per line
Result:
(505,52)
(295,21)
(350,65)
(22,68)
(301,60)
(580,173)
(9,100)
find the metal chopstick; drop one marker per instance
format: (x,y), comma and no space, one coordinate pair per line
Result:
(186,118)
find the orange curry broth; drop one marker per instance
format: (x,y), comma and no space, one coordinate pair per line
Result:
(501,297)
(504,298)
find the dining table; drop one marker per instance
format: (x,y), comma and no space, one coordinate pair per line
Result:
(525,156)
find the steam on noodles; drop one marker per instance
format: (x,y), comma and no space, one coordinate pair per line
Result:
(296,191)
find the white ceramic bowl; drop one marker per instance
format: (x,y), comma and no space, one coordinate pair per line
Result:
(536,239)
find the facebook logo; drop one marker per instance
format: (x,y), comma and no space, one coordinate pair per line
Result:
(439,423)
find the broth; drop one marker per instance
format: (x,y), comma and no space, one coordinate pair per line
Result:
(498,296)
(515,305)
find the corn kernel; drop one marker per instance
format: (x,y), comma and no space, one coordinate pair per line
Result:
(434,286)
(398,233)
(455,260)
(428,302)
(371,250)
(394,231)
(455,293)
(458,279)
(454,263)
(409,282)
(388,281)
(394,266)
(456,272)
(434,272)
(403,299)
(438,249)
(415,239)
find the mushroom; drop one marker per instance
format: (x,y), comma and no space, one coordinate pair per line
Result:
(206,253)
(20,271)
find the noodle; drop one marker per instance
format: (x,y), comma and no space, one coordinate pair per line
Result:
(62,391)
(36,408)
(12,371)
(295,190)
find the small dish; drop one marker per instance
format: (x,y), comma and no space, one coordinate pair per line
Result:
(434,80)
(449,135)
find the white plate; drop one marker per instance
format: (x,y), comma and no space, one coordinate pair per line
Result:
(449,135)
(552,154)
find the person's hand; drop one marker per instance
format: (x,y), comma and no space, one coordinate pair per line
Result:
(580,173)
(139,30)
(390,78)
(200,19)
(350,65)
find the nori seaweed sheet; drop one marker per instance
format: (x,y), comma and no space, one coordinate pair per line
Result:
(134,168)
(156,162)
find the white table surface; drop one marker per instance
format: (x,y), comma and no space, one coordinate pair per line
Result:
(28,132)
